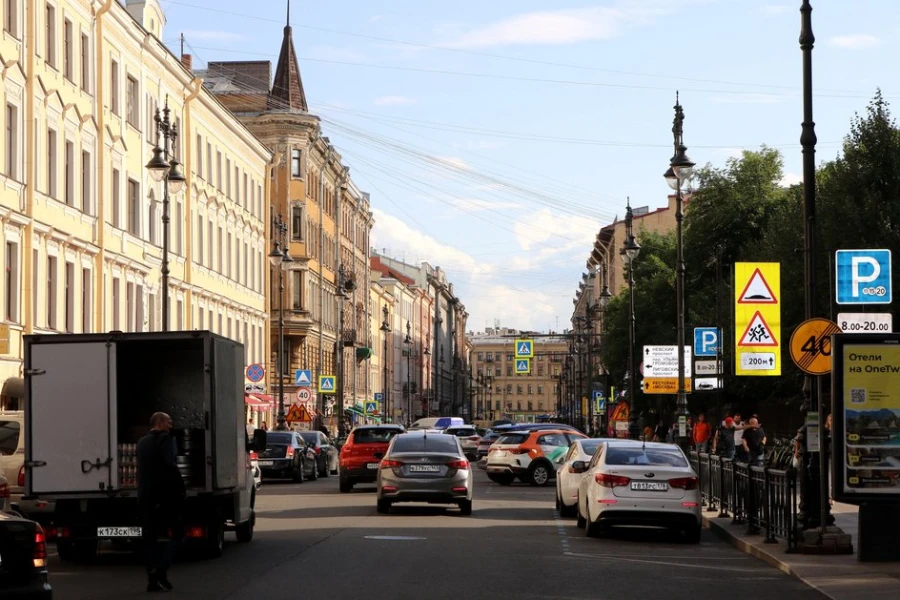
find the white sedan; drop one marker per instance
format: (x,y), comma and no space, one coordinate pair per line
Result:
(568,479)
(629,482)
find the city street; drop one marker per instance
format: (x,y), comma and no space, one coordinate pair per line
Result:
(312,539)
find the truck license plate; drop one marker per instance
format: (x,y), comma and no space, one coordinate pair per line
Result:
(118,532)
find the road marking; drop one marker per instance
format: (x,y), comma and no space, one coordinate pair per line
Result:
(662,562)
(394,537)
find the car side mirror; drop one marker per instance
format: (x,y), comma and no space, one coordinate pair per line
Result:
(579,466)
(258,443)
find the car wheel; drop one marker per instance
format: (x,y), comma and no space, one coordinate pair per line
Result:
(692,534)
(591,528)
(566,511)
(346,486)
(558,503)
(540,474)
(313,475)
(244,531)
(465,507)
(297,474)
(504,479)
(580,521)
(384,507)
(323,472)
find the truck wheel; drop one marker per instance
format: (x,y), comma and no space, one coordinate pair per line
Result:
(215,539)
(244,531)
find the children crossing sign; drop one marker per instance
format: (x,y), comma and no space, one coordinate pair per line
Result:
(523,366)
(757,318)
(524,349)
(327,384)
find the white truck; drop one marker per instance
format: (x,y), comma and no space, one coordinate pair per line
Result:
(89,398)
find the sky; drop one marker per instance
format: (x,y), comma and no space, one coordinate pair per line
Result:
(496,137)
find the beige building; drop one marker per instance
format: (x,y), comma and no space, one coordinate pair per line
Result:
(82,219)
(500,393)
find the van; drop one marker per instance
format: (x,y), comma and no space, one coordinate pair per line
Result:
(437,423)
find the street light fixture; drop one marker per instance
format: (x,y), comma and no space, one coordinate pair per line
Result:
(280,259)
(385,329)
(630,251)
(164,167)
(680,170)
(409,344)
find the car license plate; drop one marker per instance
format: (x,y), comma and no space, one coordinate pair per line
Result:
(266,463)
(118,532)
(424,468)
(650,486)
(372,465)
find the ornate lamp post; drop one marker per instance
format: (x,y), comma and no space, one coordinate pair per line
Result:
(409,345)
(165,168)
(385,329)
(630,252)
(344,285)
(280,259)
(680,169)
(605,297)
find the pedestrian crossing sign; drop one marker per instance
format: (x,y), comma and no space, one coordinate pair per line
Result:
(327,384)
(371,408)
(523,366)
(524,349)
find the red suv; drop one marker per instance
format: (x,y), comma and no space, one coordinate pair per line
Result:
(361,454)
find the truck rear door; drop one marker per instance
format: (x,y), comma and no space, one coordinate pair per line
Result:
(70,387)
(227,408)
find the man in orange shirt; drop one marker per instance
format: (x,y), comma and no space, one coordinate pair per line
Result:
(702,433)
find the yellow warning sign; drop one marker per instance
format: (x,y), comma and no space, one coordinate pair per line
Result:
(757,319)
(297,412)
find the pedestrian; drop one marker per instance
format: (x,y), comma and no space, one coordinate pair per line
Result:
(723,442)
(264,426)
(659,434)
(701,434)
(754,442)
(161,495)
(690,430)
(739,454)
(250,428)
(670,436)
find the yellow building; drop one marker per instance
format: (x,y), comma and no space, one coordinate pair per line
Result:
(82,219)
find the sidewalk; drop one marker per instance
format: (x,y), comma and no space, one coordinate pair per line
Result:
(840,577)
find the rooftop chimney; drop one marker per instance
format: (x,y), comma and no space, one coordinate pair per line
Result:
(188,61)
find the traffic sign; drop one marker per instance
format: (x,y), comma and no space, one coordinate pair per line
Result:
(662,361)
(304,394)
(708,367)
(599,401)
(707,383)
(706,341)
(297,412)
(525,348)
(303,378)
(811,345)
(327,384)
(757,316)
(379,396)
(664,385)
(863,276)
(371,407)
(256,373)
(866,322)
(523,366)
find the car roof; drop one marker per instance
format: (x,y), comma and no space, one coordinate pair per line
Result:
(619,443)
(379,427)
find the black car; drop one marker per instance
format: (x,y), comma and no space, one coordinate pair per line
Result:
(287,456)
(326,454)
(23,559)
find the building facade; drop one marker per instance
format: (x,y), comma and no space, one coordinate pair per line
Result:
(82,218)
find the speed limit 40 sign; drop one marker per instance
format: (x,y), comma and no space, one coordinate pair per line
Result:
(811,345)
(303,394)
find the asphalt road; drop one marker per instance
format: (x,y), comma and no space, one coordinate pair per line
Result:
(313,542)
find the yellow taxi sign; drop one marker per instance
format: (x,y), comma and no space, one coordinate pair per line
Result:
(665,385)
(811,345)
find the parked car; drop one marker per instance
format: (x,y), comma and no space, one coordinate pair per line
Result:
(23,568)
(361,454)
(4,494)
(254,466)
(488,439)
(537,426)
(568,478)
(425,467)
(528,455)
(287,457)
(12,450)
(327,460)
(468,439)
(639,483)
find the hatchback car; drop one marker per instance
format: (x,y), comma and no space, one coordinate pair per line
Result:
(425,467)
(639,483)
(23,569)
(528,455)
(361,454)
(568,478)
(287,457)
(484,444)
(468,439)
(326,454)
(12,450)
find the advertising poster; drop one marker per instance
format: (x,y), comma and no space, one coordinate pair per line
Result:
(867,411)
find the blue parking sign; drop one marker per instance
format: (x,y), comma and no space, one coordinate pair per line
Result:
(706,341)
(863,276)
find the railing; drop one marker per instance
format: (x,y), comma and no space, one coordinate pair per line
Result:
(762,497)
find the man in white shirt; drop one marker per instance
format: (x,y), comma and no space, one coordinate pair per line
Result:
(250,428)
(740,454)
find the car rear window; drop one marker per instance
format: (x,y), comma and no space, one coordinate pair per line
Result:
(9,437)
(656,457)
(373,436)
(425,443)
(462,432)
(310,437)
(590,446)
(514,438)
(278,437)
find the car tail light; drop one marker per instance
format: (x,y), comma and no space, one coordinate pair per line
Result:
(254,456)
(64,532)
(4,490)
(290,452)
(689,504)
(21,481)
(51,532)
(474,438)
(686,483)
(611,481)
(459,489)
(520,451)
(40,548)
(347,447)
(607,501)
(390,464)
(195,531)
(458,464)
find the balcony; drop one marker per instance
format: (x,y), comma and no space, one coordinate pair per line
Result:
(348,337)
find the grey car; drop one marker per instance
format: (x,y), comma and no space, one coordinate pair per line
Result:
(425,467)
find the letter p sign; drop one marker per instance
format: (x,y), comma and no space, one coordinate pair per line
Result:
(863,276)
(706,341)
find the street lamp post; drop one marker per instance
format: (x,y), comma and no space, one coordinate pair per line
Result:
(409,345)
(385,329)
(630,252)
(680,170)
(164,167)
(342,296)
(280,259)
(605,297)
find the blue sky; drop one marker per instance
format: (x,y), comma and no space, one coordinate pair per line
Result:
(497,137)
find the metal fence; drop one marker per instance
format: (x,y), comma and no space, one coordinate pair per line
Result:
(762,497)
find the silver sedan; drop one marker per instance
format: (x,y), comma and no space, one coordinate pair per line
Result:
(421,466)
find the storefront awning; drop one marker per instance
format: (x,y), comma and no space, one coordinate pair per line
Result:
(249,400)
(264,398)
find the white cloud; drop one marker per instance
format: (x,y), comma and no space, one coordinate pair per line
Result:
(395,100)
(748,99)
(453,162)
(209,35)
(773,10)
(855,42)
(790,179)
(542,225)
(472,205)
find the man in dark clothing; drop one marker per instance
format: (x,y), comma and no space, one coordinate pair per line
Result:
(723,443)
(161,496)
(754,442)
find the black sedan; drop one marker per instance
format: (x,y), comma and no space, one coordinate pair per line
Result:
(23,569)
(287,456)
(326,454)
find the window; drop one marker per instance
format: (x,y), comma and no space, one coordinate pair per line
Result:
(11,17)
(218,170)
(134,207)
(51,36)
(509,371)
(297,290)
(219,261)
(86,304)
(531,389)
(138,308)
(209,178)
(151,219)
(297,220)
(151,306)
(497,372)
(11,281)
(70,297)
(114,87)
(35,283)
(200,240)
(86,199)
(179,227)
(51,292)
(228,177)
(295,162)
(115,303)
(179,315)
(68,51)
(209,245)
(116,199)
(70,174)
(519,389)
(51,164)
(12,142)
(129,306)
(132,106)
(85,63)
(540,389)
(199,155)
(227,270)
